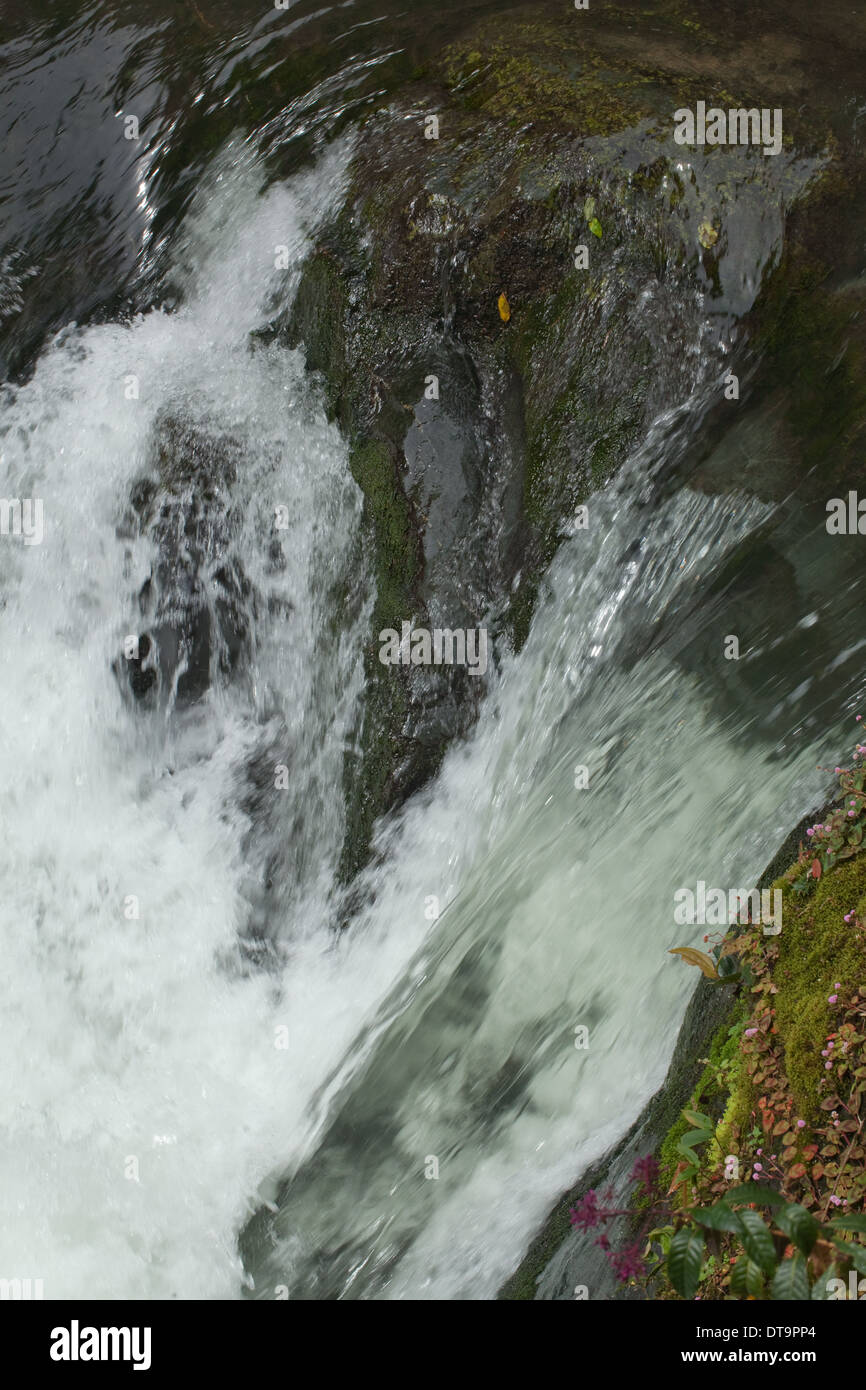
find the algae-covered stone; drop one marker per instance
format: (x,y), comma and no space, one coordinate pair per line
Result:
(453,268)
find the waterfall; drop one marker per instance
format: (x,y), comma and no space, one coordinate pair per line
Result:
(221,1092)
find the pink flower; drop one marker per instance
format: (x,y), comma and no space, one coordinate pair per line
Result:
(586,1214)
(827,1066)
(801,1124)
(645,1172)
(759,1167)
(832,1000)
(750,1032)
(627,1264)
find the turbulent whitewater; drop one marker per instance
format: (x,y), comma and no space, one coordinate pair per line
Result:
(203,1044)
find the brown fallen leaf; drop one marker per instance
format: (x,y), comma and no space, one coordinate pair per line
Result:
(692,956)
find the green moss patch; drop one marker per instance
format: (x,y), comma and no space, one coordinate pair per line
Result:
(817,949)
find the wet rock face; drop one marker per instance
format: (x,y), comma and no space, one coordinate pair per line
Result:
(533,161)
(193,608)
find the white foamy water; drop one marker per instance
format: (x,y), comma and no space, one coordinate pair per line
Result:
(557,912)
(135,1045)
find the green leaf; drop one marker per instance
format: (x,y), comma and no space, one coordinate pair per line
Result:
(746,1278)
(685,1258)
(757,1241)
(791,1280)
(755,1192)
(819,1288)
(695,1117)
(848,1223)
(718,1218)
(694,1136)
(728,968)
(595,226)
(855,1253)
(800,1225)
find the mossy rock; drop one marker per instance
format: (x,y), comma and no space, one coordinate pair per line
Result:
(540,121)
(817,949)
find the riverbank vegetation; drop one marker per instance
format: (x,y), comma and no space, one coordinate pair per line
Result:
(759,1189)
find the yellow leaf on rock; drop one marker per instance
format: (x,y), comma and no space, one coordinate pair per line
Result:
(692,956)
(504,308)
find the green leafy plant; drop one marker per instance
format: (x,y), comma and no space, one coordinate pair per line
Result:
(702,1130)
(780,1252)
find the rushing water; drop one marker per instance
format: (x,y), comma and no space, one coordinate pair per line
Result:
(196,1043)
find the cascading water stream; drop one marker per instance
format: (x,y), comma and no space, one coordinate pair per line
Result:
(200,1040)
(557,911)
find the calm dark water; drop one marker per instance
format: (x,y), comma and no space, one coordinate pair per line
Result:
(72,188)
(91,211)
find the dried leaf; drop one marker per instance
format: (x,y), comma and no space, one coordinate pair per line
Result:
(504,308)
(692,956)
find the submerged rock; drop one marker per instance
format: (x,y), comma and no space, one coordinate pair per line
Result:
(193,606)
